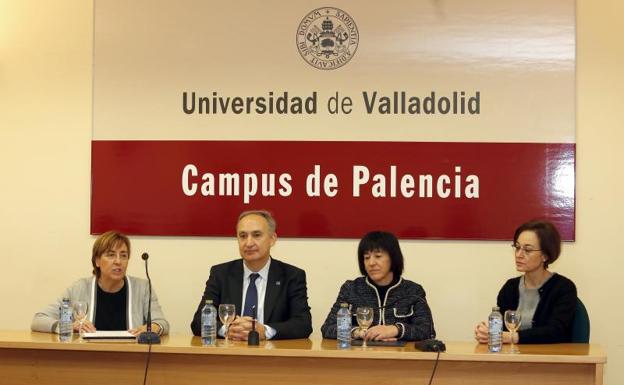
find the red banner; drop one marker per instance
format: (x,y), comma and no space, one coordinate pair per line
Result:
(332,189)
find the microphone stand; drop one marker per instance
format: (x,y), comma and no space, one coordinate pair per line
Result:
(253,339)
(148,337)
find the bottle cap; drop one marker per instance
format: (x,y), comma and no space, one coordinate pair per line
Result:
(208,301)
(344,304)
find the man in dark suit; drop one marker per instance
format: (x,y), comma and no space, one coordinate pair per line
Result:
(275,292)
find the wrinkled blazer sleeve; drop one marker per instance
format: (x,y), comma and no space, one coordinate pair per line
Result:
(158,317)
(419,326)
(46,320)
(211,291)
(299,322)
(328,330)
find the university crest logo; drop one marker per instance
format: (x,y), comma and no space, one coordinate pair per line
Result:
(327,38)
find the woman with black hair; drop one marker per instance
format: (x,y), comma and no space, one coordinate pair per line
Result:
(400,308)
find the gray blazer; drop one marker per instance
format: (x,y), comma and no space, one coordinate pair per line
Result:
(84,290)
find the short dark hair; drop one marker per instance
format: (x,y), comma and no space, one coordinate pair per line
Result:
(381,240)
(548,235)
(104,243)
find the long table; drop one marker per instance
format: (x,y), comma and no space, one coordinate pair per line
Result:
(38,358)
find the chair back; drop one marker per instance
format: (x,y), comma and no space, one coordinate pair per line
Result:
(580,324)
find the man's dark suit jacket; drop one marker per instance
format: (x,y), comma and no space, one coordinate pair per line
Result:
(285,302)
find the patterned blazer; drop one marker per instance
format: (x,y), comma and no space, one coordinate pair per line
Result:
(404,305)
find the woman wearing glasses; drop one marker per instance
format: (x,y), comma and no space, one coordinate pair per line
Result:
(400,310)
(115,301)
(545,300)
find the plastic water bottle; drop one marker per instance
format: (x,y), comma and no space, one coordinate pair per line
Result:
(65,321)
(343,326)
(495,330)
(209,324)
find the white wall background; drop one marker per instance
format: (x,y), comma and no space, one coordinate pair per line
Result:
(45,133)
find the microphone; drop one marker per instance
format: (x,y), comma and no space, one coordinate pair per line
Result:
(253,338)
(148,337)
(430,344)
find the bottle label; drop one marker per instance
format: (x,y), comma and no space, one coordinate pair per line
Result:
(496,325)
(65,315)
(344,328)
(343,322)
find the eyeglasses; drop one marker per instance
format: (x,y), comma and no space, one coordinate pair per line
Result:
(525,250)
(113,256)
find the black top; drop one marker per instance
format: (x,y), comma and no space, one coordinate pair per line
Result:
(382,290)
(552,321)
(112,308)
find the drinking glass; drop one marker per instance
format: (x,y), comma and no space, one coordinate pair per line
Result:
(80,313)
(227,312)
(364,319)
(513,319)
